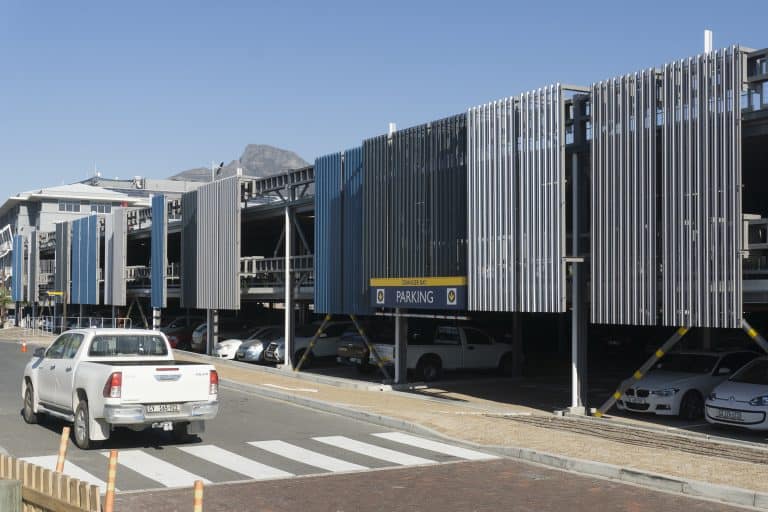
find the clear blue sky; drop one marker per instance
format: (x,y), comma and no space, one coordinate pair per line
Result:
(152,88)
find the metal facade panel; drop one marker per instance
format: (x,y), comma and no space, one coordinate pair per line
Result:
(492,207)
(624,212)
(63,254)
(414,191)
(328,233)
(189,249)
(17,267)
(85,260)
(218,245)
(354,282)
(542,201)
(159,250)
(33,267)
(115,251)
(701,195)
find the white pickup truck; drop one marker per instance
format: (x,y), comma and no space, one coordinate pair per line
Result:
(102,378)
(450,348)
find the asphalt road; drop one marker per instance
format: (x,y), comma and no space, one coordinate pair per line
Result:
(265,455)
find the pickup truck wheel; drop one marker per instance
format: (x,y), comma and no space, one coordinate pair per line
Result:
(429,369)
(82,430)
(29,406)
(181,434)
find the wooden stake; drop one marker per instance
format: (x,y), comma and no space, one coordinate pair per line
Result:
(198,501)
(109,498)
(62,450)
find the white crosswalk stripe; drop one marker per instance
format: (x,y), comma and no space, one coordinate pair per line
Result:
(235,462)
(49,462)
(435,446)
(309,457)
(372,450)
(156,469)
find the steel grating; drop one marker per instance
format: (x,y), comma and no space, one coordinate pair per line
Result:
(492,207)
(159,252)
(624,213)
(701,190)
(541,196)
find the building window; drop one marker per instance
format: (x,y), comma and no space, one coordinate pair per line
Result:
(101,208)
(69,206)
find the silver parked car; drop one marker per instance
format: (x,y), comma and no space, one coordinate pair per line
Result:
(252,348)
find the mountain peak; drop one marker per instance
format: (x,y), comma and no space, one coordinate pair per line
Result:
(257,161)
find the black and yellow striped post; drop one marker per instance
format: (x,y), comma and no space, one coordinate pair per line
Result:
(371,349)
(640,373)
(197,500)
(109,497)
(63,443)
(752,333)
(312,342)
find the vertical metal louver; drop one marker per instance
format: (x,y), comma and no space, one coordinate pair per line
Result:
(63,254)
(115,252)
(33,268)
(354,284)
(85,260)
(541,194)
(492,206)
(328,234)
(218,245)
(159,252)
(414,196)
(701,190)
(189,249)
(17,269)
(624,212)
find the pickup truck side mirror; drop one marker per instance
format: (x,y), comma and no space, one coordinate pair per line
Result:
(39,352)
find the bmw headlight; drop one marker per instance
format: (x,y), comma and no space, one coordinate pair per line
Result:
(665,393)
(759,400)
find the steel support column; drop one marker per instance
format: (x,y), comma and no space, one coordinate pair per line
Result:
(155,318)
(578,308)
(401,348)
(289,313)
(208,330)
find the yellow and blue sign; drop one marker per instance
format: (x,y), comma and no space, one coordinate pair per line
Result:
(419,293)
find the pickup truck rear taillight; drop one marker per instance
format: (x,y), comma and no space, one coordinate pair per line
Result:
(214,380)
(114,385)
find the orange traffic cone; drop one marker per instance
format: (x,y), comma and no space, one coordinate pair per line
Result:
(23,346)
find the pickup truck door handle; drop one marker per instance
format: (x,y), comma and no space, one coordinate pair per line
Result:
(53,366)
(68,369)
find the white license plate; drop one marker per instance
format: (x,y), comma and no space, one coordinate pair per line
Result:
(163,408)
(729,415)
(634,400)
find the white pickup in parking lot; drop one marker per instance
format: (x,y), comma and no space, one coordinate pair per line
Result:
(102,378)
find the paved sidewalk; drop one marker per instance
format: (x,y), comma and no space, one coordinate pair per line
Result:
(464,418)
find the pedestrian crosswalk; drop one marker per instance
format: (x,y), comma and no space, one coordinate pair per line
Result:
(180,466)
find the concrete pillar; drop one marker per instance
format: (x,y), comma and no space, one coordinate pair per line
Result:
(401,348)
(706,339)
(289,313)
(10,495)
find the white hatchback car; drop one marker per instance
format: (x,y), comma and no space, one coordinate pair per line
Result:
(679,382)
(742,400)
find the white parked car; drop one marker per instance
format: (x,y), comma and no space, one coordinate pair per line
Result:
(433,349)
(99,379)
(325,346)
(679,383)
(742,400)
(252,349)
(228,348)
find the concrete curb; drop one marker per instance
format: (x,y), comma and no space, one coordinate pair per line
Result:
(647,479)
(338,382)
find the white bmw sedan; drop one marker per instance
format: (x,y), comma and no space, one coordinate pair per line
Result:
(680,382)
(742,400)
